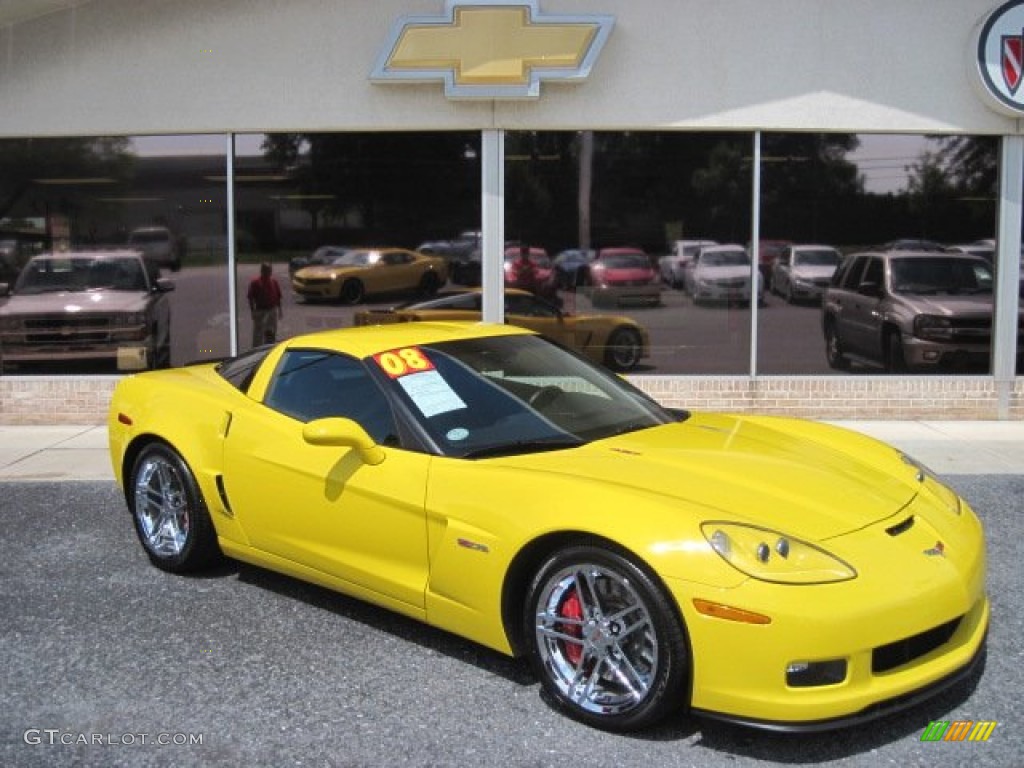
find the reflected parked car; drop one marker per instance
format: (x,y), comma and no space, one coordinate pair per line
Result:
(99,306)
(767,252)
(672,267)
(360,272)
(721,273)
(803,272)
(911,311)
(622,276)
(615,341)
(570,266)
(159,245)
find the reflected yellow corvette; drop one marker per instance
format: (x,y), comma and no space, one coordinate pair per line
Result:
(614,340)
(775,572)
(359,272)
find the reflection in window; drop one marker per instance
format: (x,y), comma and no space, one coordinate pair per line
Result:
(161,196)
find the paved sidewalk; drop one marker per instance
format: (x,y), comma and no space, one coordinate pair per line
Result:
(947,447)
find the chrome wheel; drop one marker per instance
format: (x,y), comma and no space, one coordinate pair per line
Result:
(605,641)
(170,518)
(624,349)
(597,640)
(161,507)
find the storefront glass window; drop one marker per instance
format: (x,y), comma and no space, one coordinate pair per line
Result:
(112,253)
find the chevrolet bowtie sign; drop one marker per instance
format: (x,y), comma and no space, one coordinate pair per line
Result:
(492,50)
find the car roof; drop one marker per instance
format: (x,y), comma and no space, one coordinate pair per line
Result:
(922,255)
(725,247)
(365,341)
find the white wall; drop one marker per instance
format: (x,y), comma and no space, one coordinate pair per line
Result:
(187,66)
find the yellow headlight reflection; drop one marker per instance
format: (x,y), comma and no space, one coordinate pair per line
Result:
(772,556)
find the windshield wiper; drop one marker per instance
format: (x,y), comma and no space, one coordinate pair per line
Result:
(524,446)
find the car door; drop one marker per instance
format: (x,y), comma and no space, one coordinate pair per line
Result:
(862,318)
(397,271)
(529,312)
(324,507)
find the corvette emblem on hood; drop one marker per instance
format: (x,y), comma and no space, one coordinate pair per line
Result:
(939,550)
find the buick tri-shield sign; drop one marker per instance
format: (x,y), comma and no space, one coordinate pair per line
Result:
(1000,57)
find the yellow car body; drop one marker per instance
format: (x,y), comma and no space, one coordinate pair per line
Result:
(613,340)
(360,272)
(880,602)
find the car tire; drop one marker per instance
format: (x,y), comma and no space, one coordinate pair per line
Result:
(834,354)
(171,519)
(429,284)
(605,640)
(623,350)
(352,292)
(895,360)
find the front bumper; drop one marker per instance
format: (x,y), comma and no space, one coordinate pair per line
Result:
(327,289)
(648,293)
(912,623)
(924,354)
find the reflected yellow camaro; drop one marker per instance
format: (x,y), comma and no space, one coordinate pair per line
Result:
(360,272)
(775,572)
(614,340)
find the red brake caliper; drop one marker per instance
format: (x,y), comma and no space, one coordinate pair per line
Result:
(572,609)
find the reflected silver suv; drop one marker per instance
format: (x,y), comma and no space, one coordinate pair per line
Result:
(909,310)
(87,306)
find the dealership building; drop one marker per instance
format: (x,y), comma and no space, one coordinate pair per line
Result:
(258,130)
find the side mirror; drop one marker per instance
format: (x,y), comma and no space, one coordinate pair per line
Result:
(343,433)
(163,284)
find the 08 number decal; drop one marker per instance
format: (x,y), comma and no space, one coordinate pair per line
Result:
(399,362)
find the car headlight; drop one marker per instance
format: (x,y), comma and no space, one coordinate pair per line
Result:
(768,555)
(10,324)
(933,328)
(946,495)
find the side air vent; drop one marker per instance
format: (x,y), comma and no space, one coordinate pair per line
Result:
(903,527)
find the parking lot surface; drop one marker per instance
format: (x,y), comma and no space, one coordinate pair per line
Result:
(110,662)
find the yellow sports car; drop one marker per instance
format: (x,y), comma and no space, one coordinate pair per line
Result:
(360,272)
(775,572)
(616,341)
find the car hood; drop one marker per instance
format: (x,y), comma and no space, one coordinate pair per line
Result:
(947,305)
(803,478)
(73,302)
(812,273)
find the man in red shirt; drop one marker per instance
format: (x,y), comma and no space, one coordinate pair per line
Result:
(265,303)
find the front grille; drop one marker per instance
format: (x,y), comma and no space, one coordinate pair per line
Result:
(57,322)
(312,281)
(972,330)
(893,655)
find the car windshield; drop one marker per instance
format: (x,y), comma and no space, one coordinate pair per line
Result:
(940,275)
(356,259)
(625,261)
(823,258)
(725,259)
(56,274)
(513,394)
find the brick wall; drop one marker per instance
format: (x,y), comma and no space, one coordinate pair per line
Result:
(67,400)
